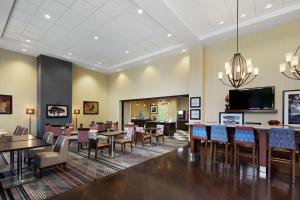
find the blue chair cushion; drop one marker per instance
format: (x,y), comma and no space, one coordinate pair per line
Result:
(282,138)
(219,133)
(244,135)
(199,132)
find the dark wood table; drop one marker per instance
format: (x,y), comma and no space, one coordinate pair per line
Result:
(151,129)
(112,135)
(19,144)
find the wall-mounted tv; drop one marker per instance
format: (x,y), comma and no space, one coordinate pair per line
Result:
(260,98)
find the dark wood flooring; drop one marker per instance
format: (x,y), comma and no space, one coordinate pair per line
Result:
(174,177)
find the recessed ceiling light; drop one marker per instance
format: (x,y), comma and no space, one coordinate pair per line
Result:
(221,22)
(140,11)
(47,16)
(183,50)
(268,6)
(24,50)
(96,37)
(99,62)
(69,53)
(28,40)
(169,35)
(127,52)
(243,15)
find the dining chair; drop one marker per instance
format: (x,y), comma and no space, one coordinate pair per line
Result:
(159,133)
(199,133)
(219,136)
(102,127)
(116,126)
(96,142)
(48,128)
(83,137)
(94,127)
(56,129)
(20,131)
(283,139)
(244,137)
(141,135)
(17,129)
(68,133)
(127,138)
(25,131)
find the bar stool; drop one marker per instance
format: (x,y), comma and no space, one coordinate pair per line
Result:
(219,136)
(282,139)
(199,133)
(244,137)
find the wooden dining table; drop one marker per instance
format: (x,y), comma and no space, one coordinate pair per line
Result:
(18,144)
(261,131)
(150,130)
(112,135)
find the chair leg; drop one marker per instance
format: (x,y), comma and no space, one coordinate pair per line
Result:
(122,147)
(65,166)
(293,165)
(89,152)
(234,156)
(131,145)
(238,155)
(96,152)
(78,146)
(163,139)
(269,162)
(253,158)
(226,153)
(211,149)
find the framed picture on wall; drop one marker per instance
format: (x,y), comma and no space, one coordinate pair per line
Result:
(90,107)
(153,109)
(195,102)
(236,118)
(57,111)
(5,104)
(291,107)
(195,114)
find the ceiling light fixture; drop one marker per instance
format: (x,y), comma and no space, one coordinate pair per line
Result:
(268,6)
(238,70)
(243,15)
(69,53)
(169,35)
(99,62)
(127,52)
(28,40)
(221,22)
(96,37)
(291,61)
(140,11)
(47,16)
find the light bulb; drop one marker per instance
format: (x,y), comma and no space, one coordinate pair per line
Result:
(282,67)
(228,71)
(295,61)
(220,75)
(238,68)
(256,71)
(227,65)
(250,68)
(288,57)
(249,62)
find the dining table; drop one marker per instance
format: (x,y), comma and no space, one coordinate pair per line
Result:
(18,144)
(151,131)
(111,135)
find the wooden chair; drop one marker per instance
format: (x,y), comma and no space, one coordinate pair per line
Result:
(17,130)
(127,138)
(98,144)
(56,129)
(244,137)
(282,139)
(219,136)
(199,133)
(83,137)
(159,133)
(141,135)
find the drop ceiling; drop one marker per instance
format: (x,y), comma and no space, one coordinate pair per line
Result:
(124,36)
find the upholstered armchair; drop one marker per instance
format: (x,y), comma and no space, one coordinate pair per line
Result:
(56,129)
(48,139)
(219,136)
(128,137)
(159,133)
(199,133)
(97,142)
(141,135)
(57,156)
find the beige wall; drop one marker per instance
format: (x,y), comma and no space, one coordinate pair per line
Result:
(267,50)
(165,77)
(89,85)
(18,77)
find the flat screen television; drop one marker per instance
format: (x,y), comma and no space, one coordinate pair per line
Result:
(260,98)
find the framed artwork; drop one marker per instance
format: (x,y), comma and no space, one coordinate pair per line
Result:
(195,114)
(195,102)
(5,104)
(291,107)
(153,109)
(90,107)
(233,118)
(57,111)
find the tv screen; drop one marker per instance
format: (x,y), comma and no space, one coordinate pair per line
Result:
(252,99)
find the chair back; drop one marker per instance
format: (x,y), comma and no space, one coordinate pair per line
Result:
(83,134)
(108,124)
(48,128)
(129,130)
(199,132)
(161,127)
(56,130)
(20,131)
(68,131)
(61,145)
(25,131)
(244,135)
(116,126)
(139,130)
(48,137)
(282,138)
(94,127)
(219,133)
(17,129)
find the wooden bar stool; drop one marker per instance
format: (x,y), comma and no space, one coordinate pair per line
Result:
(199,133)
(219,136)
(244,137)
(283,140)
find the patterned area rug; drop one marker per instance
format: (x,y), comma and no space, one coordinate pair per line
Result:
(82,170)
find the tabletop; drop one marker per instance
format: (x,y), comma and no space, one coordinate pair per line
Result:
(112,133)
(152,128)
(16,138)
(22,145)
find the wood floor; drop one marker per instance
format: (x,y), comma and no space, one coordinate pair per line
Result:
(174,177)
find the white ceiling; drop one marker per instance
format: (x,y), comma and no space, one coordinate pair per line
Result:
(119,27)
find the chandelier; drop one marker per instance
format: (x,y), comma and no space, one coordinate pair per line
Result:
(291,61)
(239,71)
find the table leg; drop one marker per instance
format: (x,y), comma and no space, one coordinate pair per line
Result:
(262,151)
(19,167)
(12,160)
(112,149)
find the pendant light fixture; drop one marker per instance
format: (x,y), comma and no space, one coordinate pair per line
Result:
(239,71)
(292,62)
